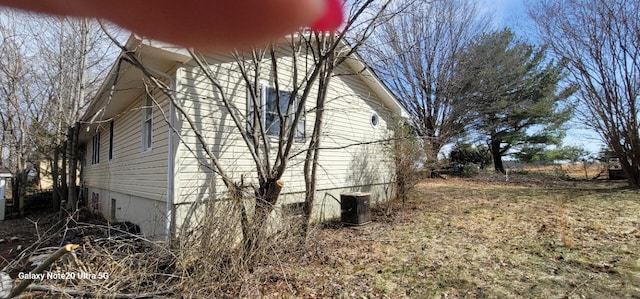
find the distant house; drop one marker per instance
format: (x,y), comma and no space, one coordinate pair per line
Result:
(136,168)
(4,175)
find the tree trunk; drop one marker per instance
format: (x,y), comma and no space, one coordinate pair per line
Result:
(313,153)
(497,156)
(21,186)
(72,203)
(428,152)
(15,191)
(72,195)
(22,192)
(55,178)
(266,198)
(401,175)
(436,146)
(63,171)
(631,171)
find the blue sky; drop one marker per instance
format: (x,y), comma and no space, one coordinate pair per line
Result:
(506,12)
(513,14)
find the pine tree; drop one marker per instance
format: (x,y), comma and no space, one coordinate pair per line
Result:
(514,97)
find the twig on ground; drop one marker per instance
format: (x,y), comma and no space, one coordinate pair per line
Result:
(574,290)
(284,274)
(46,264)
(79,293)
(35,223)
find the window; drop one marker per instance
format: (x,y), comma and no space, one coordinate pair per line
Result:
(113,209)
(95,151)
(147,124)
(375,119)
(95,201)
(84,197)
(111,141)
(293,209)
(271,112)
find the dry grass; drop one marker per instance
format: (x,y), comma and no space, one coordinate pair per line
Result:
(527,238)
(578,170)
(469,239)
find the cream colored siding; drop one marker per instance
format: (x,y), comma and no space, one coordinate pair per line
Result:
(132,170)
(347,123)
(353,158)
(204,105)
(140,175)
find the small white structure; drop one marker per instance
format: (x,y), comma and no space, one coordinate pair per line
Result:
(4,175)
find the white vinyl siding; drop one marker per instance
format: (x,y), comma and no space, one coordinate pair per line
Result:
(350,105)
(356,151)
(132,171)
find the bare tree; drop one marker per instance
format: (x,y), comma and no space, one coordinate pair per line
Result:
(416,53)
(272,133)
(19,106)
(329,53)
(315,56)
(73,57)
(599,41)
(47,78)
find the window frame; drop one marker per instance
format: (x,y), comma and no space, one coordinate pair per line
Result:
(374,120)
(113,209)
(95,149)
(264,95)
(147,124)
(111,130)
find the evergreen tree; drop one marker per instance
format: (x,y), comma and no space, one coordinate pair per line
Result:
(514,97)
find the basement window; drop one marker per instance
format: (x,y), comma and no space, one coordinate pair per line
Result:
(293,209)
(113,209)
(95,201)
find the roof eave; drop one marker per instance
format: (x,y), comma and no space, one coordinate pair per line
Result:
(134,44)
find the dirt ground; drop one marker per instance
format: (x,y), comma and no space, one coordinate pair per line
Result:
(19,233)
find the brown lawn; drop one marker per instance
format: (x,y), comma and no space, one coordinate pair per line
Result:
(465,238)
(528,237)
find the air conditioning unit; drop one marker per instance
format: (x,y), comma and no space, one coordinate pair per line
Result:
(355,208)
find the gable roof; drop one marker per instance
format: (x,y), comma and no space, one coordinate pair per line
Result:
(124,79)
(5,173)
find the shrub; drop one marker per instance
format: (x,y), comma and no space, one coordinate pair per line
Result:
(407,157)
(466,154)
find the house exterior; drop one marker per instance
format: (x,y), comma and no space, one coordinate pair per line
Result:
(4,175)
(143,163)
